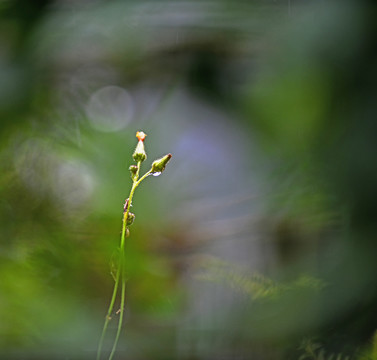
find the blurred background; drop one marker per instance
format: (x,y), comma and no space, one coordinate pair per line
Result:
(259,239)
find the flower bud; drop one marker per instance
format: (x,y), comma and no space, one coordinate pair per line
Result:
(141,135)
(158,166)
(130,218)
(139,153)
(133,171)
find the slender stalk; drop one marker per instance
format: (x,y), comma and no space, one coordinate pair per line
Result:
(122,254)
(143,177)
(108,315)
(120,315)
(116,285)
(157,167)
(120,274)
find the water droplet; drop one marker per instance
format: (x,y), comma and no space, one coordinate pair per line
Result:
(158,173)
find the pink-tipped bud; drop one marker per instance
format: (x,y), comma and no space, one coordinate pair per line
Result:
(158,166)
(139,153)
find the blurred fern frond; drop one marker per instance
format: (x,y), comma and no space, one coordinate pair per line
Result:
(254,284)
(314,351)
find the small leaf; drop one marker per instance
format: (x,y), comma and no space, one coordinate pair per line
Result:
(114,264)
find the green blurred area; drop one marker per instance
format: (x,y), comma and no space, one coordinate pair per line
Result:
(259,239)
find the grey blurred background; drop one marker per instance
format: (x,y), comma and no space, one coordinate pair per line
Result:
(259,239)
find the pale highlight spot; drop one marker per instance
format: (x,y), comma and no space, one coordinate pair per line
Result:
(110,108)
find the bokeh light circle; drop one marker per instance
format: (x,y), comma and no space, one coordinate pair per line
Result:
(110,109)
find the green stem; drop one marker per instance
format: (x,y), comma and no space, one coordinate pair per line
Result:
(122,301)
(120,271)
(116,285)
(108,315)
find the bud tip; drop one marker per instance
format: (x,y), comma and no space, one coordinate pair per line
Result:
(141,135)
